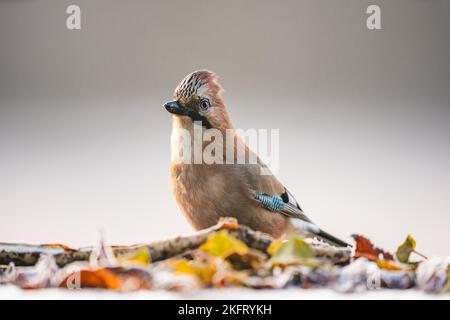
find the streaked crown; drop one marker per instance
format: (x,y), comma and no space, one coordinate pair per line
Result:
(198,83)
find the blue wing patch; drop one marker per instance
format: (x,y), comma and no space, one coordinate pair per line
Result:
(284,203)
(273,203)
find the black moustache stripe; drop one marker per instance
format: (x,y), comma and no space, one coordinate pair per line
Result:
(195,116)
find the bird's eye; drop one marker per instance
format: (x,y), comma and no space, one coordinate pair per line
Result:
(204,104)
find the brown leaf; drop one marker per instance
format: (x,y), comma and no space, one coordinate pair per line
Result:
(251,260)
(366,249)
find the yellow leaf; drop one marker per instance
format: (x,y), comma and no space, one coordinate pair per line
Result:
(138,257)
(221,244)
(274,246)
(293,249)
(203,271)
(405,249)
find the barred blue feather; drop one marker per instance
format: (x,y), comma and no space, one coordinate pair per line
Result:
(273,203)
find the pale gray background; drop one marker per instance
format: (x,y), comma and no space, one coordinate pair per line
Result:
(364,116)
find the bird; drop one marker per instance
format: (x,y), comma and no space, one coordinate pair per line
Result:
(206,192)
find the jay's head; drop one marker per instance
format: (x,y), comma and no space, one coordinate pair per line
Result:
(198,98)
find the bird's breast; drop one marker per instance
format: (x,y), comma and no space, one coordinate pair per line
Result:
(198,193)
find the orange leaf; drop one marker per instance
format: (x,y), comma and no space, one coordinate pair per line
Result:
(56,246)
(228,223)
(108,278)
(366,249)
(100,278)
(387,265)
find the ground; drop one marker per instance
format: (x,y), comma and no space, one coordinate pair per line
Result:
(11,292)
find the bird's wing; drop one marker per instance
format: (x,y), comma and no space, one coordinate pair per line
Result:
(283,203)
(270,193)
(291,206)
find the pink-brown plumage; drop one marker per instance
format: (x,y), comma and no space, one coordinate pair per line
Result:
(205,192)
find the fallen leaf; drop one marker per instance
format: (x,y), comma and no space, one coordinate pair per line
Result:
(204,271)
(274,246)
(228,223)
(100,278)
(365,248)
(117,278)
(221,244)
(388,265)
(293,250)
(405,249)
(251,260)
(139,257)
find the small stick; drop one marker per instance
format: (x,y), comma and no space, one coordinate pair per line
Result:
(421,255)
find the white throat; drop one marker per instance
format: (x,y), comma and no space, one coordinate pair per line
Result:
(185,135)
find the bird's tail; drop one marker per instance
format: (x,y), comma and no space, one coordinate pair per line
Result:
(310,229)
(332,239)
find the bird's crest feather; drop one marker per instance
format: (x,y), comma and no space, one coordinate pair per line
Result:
(198,83)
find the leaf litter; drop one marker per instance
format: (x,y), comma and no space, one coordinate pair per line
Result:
(223,260)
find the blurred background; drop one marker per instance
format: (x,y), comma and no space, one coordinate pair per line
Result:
(364,116)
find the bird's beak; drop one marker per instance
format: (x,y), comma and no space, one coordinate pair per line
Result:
(174,107)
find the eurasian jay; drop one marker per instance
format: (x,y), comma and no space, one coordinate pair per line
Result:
(205,192)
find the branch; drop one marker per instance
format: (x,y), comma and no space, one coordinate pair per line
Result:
(27,255)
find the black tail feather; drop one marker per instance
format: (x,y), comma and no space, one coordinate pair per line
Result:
(329,238)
